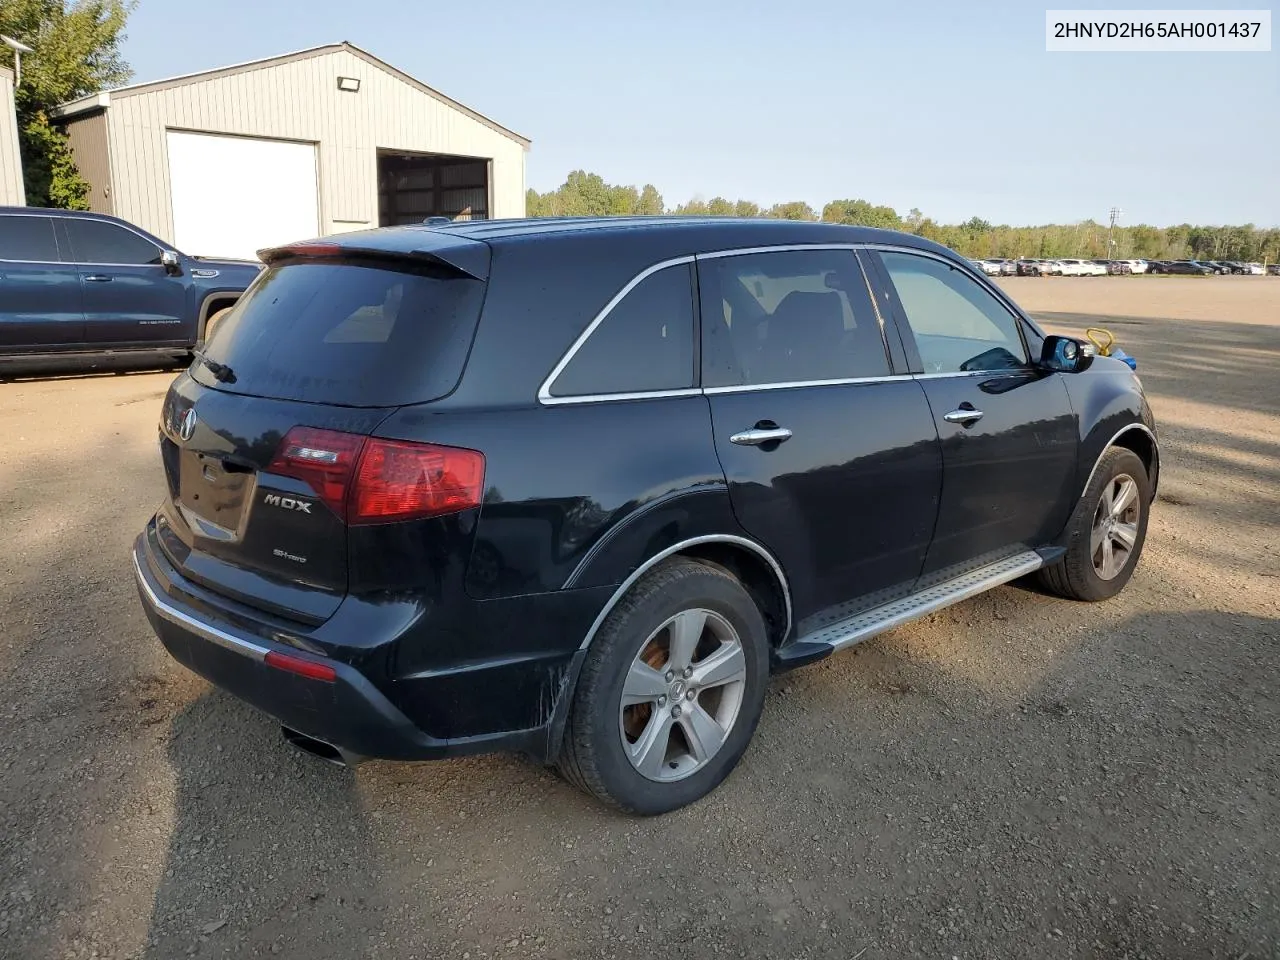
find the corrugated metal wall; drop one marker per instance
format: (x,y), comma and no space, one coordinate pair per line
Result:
(11,191)
(88,138)
(300,100)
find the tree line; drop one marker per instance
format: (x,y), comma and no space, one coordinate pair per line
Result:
(588,195)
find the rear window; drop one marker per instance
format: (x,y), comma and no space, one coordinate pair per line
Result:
(353,332)
(27,238)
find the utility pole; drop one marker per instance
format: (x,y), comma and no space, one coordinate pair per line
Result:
(1114,213)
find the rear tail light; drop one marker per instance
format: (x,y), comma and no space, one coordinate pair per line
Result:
(369,480)
(402,481)
(323,459)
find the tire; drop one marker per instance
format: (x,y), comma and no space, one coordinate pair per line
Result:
(212,321)
(601,732)
(1082,574)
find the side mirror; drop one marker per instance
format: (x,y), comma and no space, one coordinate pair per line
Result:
(1066,354)
(172,265)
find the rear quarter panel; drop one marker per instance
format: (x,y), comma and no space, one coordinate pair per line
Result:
(577,495)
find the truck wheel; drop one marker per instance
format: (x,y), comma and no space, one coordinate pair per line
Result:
(210,323)
(670,693)
(1106,532)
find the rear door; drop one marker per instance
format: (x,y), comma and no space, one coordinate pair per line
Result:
(129,296)
(261,443)
(829,449)
(40,304)
(1009,435)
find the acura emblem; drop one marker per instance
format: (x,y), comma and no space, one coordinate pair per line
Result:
(188,425)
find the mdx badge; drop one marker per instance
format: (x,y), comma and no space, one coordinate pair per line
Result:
(286,503)
(187,426)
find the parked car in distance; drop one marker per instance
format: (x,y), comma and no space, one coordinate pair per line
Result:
(1137,266)
(1273,269)
(1256,269)
(998,267)
(1118,267)
(1180,267)
(1043,268)
(576,488)
(76,283)
(1082,268)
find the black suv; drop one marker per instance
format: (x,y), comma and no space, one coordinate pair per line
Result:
(575,488)
(73,282)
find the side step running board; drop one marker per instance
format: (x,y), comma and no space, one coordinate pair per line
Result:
(862,626)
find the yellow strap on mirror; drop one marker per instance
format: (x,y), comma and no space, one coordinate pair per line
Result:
(1101,338)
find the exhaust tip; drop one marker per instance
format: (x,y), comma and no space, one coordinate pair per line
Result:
(317,748)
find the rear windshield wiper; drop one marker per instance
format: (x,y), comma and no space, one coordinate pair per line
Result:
(221,372)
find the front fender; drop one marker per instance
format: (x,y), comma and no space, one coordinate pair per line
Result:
(1109,403)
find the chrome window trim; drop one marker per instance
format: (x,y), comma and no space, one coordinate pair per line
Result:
(657,558)
(554,401)
(845,381)
(1007,371)
(171,613)
(780,248)
(1155,446)
(546,397)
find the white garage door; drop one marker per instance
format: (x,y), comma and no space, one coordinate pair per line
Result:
(232,196)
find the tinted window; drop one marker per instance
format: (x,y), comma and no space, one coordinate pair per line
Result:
(787,317)
(27,238)
(96,241)
(644,343)
(350,333)
(958,325)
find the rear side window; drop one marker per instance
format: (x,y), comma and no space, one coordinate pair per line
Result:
(96,241)
(787,317)
(644,344)
(28,238)
(352,333)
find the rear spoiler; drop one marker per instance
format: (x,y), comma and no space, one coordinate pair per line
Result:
(470,259)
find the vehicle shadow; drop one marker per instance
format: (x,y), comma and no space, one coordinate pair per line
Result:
(942,768)
(269,856)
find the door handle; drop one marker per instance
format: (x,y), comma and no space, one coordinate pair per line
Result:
(97,278)
(758,435)
(965,415)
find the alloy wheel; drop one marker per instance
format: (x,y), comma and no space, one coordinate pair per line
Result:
(1114,534)
(682,695)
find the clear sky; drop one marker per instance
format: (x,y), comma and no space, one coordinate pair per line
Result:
(950,106)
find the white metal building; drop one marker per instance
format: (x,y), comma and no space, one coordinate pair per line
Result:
(11,190)
(327,140)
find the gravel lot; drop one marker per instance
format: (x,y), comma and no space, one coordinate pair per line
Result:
(1016,776)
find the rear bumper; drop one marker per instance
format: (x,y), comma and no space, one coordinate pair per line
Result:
(349,713)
